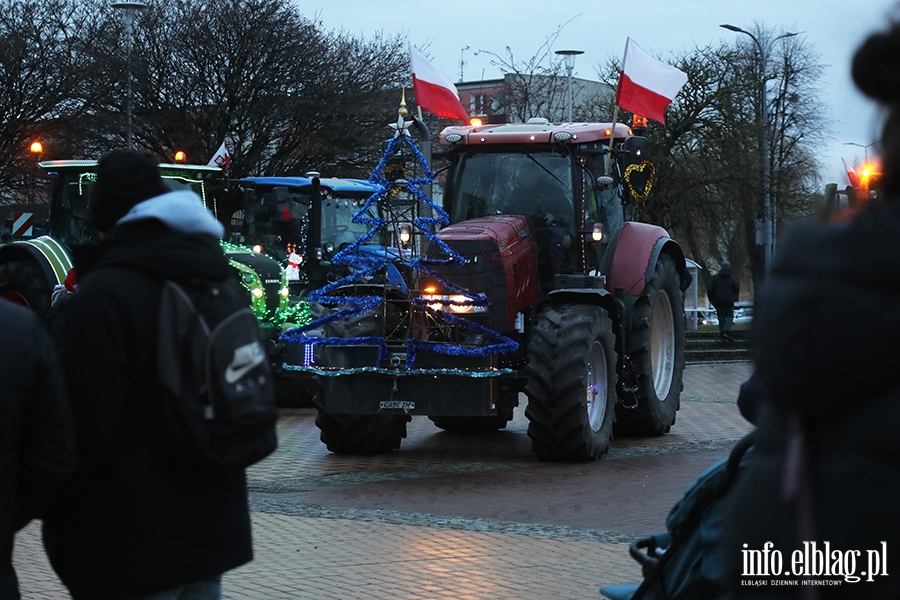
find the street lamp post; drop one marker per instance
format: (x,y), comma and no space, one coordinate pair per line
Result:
(569,62)
(129,9)
(865,147)
(768,209)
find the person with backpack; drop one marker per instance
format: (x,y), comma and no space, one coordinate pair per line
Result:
(723,291)
(137,520)
(818,505)
(37,445)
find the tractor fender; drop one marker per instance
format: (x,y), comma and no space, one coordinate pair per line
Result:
(635,255)
(52,256)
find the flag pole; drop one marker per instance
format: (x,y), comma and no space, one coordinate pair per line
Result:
(612,135)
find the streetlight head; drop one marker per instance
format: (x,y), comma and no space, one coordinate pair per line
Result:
(569,57)
(129,4)
(732,28)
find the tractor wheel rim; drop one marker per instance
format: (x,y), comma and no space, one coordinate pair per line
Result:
(596,387)
(662,345)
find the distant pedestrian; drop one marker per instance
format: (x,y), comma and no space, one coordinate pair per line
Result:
(822,491)
(723,291)
(37,447)
(133,523)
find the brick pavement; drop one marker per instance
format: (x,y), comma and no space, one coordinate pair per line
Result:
(338,552)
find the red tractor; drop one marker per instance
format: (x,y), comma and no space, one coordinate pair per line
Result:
(537,283)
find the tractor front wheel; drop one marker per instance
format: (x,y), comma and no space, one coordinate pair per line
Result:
(571,382)
(351,433)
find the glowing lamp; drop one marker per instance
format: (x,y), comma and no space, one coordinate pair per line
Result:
(285,292)
(431,289)
(257,292)
(257,249)
(476,122)
(405,234)
(36,148)
(638,121)
(180,156)
(608,132)
(597,232)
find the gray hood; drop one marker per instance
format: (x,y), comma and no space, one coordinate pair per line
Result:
(182,211)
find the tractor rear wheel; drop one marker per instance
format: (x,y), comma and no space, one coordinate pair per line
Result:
(656,348)
(571,382)
(24,282)
(349,433)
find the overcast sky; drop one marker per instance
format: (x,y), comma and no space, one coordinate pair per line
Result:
(834,27)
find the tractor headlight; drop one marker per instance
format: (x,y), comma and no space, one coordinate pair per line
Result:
(257,292)
(455,304)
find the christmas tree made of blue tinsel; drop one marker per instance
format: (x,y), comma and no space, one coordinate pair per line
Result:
(365,265)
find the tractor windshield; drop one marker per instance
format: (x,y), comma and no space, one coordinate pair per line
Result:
(71,196)
(532,183)
(279,222)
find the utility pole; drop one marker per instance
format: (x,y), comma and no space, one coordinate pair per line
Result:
(768,208)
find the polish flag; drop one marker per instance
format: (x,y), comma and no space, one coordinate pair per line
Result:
(646,85)
(221,158)
(852,175)
(434,92)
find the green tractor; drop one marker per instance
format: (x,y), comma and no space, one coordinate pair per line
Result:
(31,268)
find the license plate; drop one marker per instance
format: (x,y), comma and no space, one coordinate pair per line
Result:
(397,404)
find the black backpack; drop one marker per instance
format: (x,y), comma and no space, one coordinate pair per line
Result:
(218,404)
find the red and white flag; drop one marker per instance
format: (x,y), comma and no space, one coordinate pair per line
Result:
(646,85)
(852,175)
(434,92)
(221,158)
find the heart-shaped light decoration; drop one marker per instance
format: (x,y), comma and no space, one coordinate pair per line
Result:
(640,167)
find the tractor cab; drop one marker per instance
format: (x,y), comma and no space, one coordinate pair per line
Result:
(561,177)
(276,216)
(74,181)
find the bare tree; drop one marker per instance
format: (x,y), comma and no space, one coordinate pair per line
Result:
(43,65)
(535,86)
(708,189)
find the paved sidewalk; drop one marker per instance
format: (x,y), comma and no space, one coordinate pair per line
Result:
(338,552)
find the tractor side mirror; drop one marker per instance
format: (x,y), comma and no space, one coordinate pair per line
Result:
(637,149)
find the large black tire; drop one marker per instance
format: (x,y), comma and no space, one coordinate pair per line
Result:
(571,382)
(361,434)
(24,282)
(350,433)
(656,348)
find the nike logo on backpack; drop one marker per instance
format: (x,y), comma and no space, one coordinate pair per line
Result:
(245,359)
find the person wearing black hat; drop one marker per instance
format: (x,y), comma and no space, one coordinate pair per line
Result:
(723,290)
(131,524)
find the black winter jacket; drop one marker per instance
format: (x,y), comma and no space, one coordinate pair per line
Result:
(826,327)
(723,289)
(131,523)
(37,446)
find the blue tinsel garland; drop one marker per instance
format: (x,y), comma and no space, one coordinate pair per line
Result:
(364,266)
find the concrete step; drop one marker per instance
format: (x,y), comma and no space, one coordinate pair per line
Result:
(708,346)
